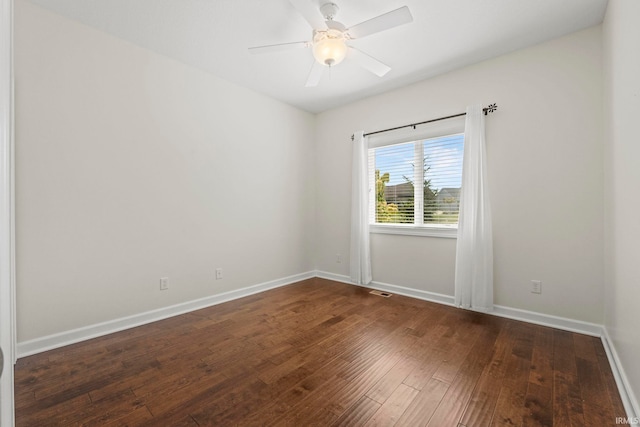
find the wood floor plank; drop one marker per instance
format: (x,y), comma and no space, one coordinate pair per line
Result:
(420,410)
(538,406)
(180,392)
(322,353)
(591,382)
(383,389)
(135,418)
(60,413)
(609,380)
(539,398)
(424,370)
(567,401)
(361,384)
(320,386)
(510,408)
(393,408)
(455,400)
(597,406)
(564,355)
(585,347)
(457,354)
(235,403)
(542,358)
(110,409)
(596,415)
(304,411)
(359,413)
(484,398)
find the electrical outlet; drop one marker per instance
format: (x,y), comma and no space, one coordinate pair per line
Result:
(339,258)
(218,273)
(164,283)
(536,287)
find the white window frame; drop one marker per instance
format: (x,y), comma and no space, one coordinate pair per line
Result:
(418,136)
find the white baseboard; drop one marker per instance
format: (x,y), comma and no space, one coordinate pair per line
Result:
(542,319)
(61,339)
(629,399)
(394,289)
(563,323)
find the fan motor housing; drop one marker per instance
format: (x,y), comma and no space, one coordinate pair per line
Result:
(329,11)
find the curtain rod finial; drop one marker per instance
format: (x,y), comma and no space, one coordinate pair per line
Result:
(490,108)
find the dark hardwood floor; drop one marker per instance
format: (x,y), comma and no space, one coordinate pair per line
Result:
(323,353)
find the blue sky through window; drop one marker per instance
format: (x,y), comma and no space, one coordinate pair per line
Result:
(396,160)
(444,156)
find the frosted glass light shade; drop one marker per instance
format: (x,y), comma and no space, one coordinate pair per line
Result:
(329,48)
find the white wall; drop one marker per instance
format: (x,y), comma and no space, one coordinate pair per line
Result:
(546,174)
(131,166)
(621,36)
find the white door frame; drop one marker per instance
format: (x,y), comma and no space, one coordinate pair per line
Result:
(7,210)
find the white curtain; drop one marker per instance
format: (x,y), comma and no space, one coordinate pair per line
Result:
(474,250)
(360,250)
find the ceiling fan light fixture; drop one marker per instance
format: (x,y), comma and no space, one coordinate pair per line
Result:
(329,47)
(330,37)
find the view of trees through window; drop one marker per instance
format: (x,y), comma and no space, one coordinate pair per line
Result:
(435,165)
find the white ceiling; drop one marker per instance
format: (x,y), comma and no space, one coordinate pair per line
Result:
(214,35)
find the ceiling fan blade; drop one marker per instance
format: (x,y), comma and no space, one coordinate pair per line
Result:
(277,47)
(381,23)
(369,62)
(315,74)
(309,12)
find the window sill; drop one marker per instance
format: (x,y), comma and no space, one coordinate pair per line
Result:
(449,232)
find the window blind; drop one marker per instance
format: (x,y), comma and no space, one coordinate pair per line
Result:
(417,182)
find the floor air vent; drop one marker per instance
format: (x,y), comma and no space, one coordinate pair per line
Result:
(380,293)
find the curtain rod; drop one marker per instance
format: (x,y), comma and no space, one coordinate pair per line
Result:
(490,109)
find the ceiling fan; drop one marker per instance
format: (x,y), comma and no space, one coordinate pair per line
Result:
(330,38)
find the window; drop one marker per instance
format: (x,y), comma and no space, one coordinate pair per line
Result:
(415,186)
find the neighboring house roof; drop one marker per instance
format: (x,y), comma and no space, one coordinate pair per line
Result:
(448,199)
(449,193)
(404,191)
(397,192)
